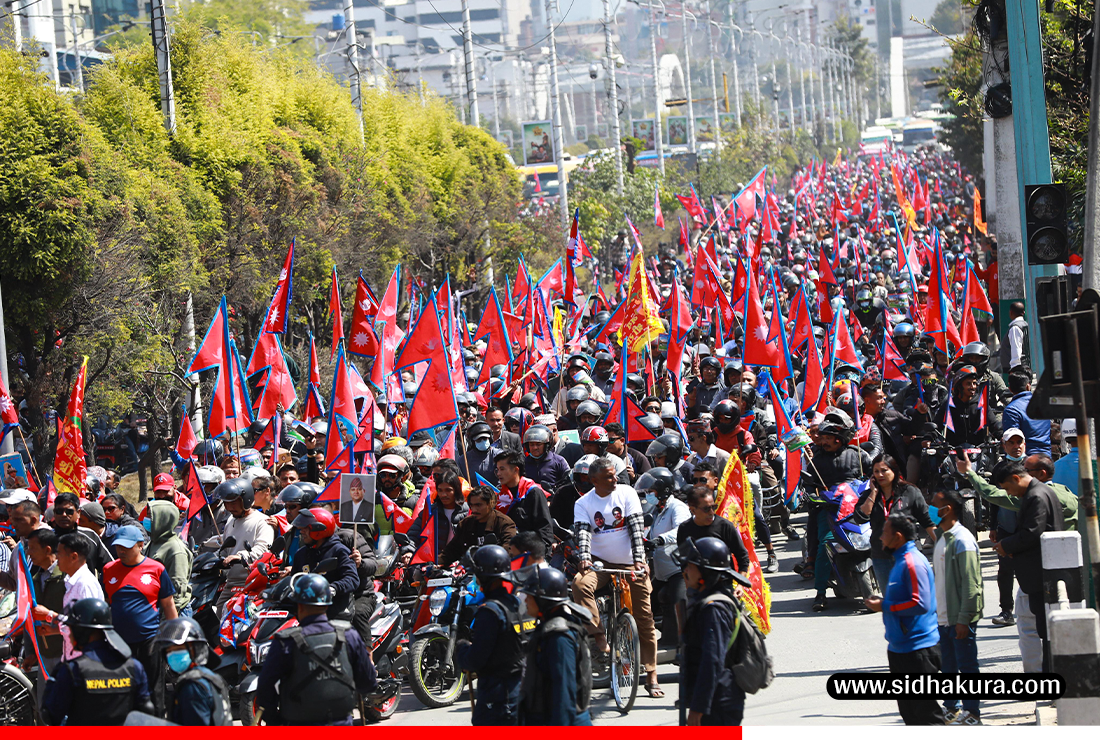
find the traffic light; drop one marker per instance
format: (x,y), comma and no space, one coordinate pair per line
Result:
(1047,238)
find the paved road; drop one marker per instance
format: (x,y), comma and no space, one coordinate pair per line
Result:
(806,648)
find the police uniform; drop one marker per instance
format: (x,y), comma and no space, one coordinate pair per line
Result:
(100,687)
(319,669)
(707,685)
(495,654)
(201,699)
(557,684)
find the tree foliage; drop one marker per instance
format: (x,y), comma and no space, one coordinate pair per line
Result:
(962,96)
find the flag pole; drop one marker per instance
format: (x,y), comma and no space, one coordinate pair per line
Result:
(30,456)
(462,443)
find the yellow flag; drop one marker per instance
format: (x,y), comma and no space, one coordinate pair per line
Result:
(641,324)
(734,502)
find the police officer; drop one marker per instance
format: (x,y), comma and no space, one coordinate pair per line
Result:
(318,666)
(708,690)
(202,696)
(495,650)
(103,684)
(557,684)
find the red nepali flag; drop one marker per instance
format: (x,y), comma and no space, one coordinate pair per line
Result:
(658,215)
(385,329)
(434,404)
(363,339)
(314,406)
(760,349)
(194,490)
(9,414)
(334,311)
(278,313)
(187,442)
(493,329)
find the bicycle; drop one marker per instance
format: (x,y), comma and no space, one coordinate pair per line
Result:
(622,637)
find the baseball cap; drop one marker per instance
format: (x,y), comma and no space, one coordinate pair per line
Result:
(1010,433)
(17,495)
(163,482)
(128,536)
(1069,429)
(210,474)
(94,512)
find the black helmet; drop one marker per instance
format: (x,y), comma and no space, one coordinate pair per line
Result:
(838,424)
(311,589)
(208,451)
(236,488)
(471,376)
(578,393)
(528,401)
(863,296)
(652,423)
(492,561)
(184,631)
(708,554)
(93,487)
(548,585)
(661,481)
(670,445)
(727,408)
(747,391)
(712,362)
(85,616)
(498,371)
(538,434)
(904,329)
(976,354)
(589,407)
(257,427)
(295,494)
(409,389)
(479,429)
(635,381)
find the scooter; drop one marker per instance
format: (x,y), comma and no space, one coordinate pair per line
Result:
(850,549)
(207,582)
(452,596)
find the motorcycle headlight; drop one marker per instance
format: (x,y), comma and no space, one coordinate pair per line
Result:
(437,601)
(258,652)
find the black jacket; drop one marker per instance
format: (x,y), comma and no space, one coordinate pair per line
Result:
(889,423)
(532,514)
(344,577)
(1040,511)
(906,499)
(833,468)
(935,397)
(706,684)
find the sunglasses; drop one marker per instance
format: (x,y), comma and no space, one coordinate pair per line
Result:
(65,512)
(110,508)
(707,509)
(699,480)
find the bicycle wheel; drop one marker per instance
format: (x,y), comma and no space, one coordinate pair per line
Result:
(601,668)
(626,660)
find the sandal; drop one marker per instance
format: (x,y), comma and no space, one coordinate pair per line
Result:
(655,691)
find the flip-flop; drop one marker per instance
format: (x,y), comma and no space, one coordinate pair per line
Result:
(655,691)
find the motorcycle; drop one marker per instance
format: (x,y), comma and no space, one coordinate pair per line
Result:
(207,582)
(452,595)
(938,454)
(849,550)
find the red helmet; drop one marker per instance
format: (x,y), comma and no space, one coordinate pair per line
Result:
(595,434)
(316,523)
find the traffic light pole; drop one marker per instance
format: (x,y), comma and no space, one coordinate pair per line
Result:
(1029,114)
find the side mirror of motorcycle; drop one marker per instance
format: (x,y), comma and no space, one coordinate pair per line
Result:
(326,566)
(490,539)
(648,520)
(401,539)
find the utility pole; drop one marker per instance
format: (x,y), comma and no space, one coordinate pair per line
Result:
(1091,268)
(76,50)
(353,59)
(790,91)
(496,105)
(736,71)
(1029,117)
(595,117)
(8,445)
(555,108)
(687,77)
(159,28)
(468,59)
(755,68)
(713,81)
(419,74)
(656,89)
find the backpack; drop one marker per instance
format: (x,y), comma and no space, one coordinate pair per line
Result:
(746,654)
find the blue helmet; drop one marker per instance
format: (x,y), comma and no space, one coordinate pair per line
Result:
(311,589)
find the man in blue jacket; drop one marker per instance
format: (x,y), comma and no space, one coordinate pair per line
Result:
(1036,431)
(908,607)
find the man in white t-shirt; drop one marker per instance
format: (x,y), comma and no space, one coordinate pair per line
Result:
(609,527)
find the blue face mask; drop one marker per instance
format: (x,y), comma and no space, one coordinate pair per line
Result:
(481,445)
(148,524)
(178,660)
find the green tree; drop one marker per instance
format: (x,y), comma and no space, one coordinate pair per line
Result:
(947,18)
(962,97)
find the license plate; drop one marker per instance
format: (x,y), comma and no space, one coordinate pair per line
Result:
(273,615)
(435,582)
